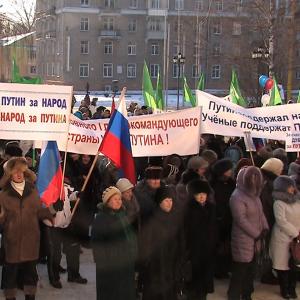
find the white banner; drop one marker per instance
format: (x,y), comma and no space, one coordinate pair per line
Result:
(228,119)
(34,112)
(151,135)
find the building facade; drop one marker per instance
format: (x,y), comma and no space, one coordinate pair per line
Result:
(99,41)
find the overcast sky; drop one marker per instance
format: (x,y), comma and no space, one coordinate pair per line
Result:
(8,6)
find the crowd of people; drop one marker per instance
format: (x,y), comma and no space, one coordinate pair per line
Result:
(188,221)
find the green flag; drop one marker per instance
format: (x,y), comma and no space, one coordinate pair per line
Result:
(235,92)
(187,93)
(275,98)
(17,78)
(148,92)
(201,83)
(159,97)
(298,101)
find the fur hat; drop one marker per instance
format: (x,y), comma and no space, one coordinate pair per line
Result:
(153,172)
(273,165)
(198,186)
(279,152)
(294,169)
(210,156)
(281,183)
(13,150)
(162,193)
(197,162)
(16,164)
(123,185)
(109,192)
(188,176)
(222,166)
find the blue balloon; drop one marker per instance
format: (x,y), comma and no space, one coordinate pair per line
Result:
(263,80)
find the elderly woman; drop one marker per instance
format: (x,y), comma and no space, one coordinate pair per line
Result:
(287,226)
(248,227)
(114,249)
(21,211)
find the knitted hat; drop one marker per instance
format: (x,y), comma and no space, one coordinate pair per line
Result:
(273,165)
(210,156)
(198,186)
(163,193)
(188,176)
(123,184)
(13,151)
(109,192)
(222,166)
(281,183)
(197,162)
(153,172)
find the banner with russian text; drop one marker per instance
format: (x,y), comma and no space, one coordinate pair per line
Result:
(222,117)
(151,135)
(34,112)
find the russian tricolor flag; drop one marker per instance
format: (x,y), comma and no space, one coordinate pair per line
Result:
(50,179)
(116,142)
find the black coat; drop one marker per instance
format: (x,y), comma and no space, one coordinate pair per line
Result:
(267,198)
(201,239)
(115,251)
(223,190)
(164,245)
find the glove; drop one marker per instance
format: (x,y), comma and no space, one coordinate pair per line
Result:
(58,205)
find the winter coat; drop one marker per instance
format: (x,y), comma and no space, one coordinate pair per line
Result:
(247,214)
(132,209)
(201,240)
(266,196)
(164,242)
(223,190)
(287,227)
(114,250)
(21,231)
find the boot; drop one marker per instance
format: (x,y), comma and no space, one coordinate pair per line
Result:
(283,278)
(292,284)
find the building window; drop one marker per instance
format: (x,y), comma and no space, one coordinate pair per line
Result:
(133,4)
(178,27)
(237,28)
(131,49)
(199,5)
(154,49)
(107,70)
(108,47)
(154,68)
(175,71)
(155,4)
(84,2)
(84,47)
(179,4)
(84,70)
(216,72)
(219,5)
(217,28)
(84,24)
(32,52)
(132,25)
(196,71)
(131,70)
(154,24)
(32,69)
(109,3)
(239,5)
(298,74)
(298,36)
(108,23)
(216,51)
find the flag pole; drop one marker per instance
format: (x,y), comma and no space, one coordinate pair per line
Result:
(65,157)
(92,166)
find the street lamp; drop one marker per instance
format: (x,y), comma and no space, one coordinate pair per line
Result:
(179,60)
(259,55)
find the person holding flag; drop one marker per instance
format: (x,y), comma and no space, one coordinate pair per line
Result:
(20,212)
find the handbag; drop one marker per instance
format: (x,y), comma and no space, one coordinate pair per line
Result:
(295,251)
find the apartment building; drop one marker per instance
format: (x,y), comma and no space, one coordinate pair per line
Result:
(99,41)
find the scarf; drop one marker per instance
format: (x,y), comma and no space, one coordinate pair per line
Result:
(18,186)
